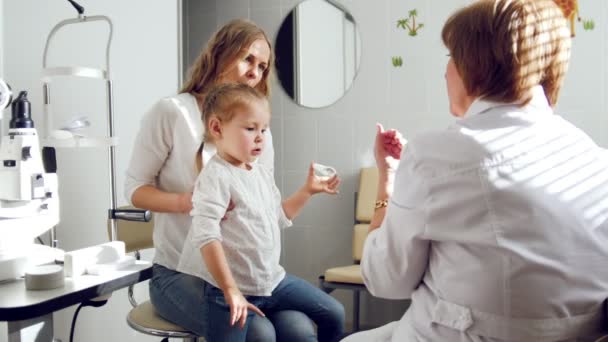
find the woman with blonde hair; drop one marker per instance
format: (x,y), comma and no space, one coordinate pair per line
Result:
(497,227)
(162,173)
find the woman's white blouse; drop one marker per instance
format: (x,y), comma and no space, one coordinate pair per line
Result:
(163,157)
(497,228)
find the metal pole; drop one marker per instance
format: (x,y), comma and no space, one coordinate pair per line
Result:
(112,161)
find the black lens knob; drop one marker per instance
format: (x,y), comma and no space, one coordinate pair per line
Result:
(21,112)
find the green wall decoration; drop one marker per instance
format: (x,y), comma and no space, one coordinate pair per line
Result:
(410,24)
(397,61)
(412,27)
(588,25)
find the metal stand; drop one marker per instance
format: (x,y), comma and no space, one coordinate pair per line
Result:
(83,72)
(41,328)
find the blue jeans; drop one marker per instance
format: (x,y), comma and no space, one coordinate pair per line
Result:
(179,298)
(292,293)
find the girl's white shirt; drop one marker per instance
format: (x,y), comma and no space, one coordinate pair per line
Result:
(163,157)
(250,233)
(497,230)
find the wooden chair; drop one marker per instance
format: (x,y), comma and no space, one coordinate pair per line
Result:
(349,277)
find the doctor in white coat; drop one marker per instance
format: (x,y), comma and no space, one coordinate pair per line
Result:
(496,228)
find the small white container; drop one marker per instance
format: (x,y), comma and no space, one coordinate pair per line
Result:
(44,277)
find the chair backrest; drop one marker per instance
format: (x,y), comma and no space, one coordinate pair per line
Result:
(366,196)
(136,235)
(364,208)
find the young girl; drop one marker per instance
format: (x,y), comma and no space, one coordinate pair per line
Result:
(241,249)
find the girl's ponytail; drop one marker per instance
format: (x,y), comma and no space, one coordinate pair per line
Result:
(198,159)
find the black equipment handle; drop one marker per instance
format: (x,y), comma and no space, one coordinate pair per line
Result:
(139,215)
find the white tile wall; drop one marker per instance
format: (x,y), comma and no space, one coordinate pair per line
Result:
(411,98)
(230,9)
(264,4)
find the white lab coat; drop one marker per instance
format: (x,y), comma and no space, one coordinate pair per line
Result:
(497,230)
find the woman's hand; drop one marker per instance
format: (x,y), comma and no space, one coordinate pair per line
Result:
(315,184)
(387,149)
(184,202)
(231,206)
(239,307)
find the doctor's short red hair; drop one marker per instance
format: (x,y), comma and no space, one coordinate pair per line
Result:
(503,48)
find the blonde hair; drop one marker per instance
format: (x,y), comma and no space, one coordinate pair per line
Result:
(224,48)
(222,102)
(503,48)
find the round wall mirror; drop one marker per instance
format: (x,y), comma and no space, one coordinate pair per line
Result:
(317,50)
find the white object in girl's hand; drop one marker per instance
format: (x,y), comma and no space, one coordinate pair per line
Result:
(323,171)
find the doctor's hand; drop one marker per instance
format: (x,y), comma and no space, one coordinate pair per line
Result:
(387,148)
(315,184)
(239,307)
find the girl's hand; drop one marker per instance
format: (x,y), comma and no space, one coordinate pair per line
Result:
(239,307)
(387,148)
(315,184)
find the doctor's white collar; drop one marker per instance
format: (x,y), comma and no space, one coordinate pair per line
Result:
(538,104)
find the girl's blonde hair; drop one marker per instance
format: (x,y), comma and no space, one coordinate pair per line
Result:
(503,48)
(224,48)
(222,102)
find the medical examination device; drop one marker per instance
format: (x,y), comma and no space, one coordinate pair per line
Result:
(29,203)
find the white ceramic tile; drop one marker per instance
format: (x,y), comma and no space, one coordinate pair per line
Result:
(231,5)
(336,140)
(300,142)
(265,4)
(269,19)
(276,127)
(365,134)
(408,86)
(369,92)
(231,9)
(201,28)
(200,6)
(276,101)
(296,251)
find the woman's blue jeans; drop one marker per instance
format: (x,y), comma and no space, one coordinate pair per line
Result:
(292,293)
(180,298)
